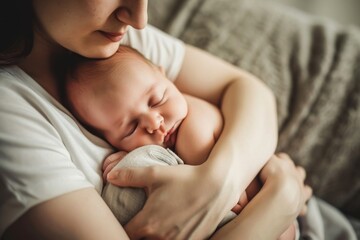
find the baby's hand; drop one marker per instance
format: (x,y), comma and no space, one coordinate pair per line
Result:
(243,201)
(253,188)
(111,161)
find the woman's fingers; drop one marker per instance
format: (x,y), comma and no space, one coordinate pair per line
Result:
(301,172)
(307,195)
(308,192)
(283,155)
(130,177)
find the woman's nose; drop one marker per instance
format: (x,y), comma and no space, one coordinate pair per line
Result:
(151,121)
(133,13)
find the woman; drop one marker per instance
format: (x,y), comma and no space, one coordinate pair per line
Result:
(51,165)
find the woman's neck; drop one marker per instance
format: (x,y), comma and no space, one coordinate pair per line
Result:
(41,63)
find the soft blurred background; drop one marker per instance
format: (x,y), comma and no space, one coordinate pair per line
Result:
(343,11)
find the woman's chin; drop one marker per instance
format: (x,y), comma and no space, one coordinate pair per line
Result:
(104,52)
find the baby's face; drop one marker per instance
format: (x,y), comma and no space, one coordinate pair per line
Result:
(137,106)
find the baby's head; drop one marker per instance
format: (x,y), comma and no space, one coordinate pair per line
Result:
(126,99)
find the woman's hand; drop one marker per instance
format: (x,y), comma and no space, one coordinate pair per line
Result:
(280,164)
(183,201)
(275,207)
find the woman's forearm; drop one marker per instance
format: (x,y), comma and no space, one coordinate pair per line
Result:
(249,136)
(81,214)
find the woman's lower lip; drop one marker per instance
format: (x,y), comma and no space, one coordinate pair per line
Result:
(113,37)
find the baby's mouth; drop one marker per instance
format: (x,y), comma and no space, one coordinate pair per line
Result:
(170,138)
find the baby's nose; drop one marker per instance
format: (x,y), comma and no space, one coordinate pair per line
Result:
(152,122)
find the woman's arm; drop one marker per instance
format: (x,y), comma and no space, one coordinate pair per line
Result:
(247,141)
(249,136)
(77,215)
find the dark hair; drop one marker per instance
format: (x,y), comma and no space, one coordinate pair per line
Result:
(16,19)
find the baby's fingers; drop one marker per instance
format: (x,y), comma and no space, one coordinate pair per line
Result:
(243,201)
(108,168)
(115,157)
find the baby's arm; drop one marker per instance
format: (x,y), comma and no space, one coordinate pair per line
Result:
(199,131)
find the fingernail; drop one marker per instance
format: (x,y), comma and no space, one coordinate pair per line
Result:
(112,175)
